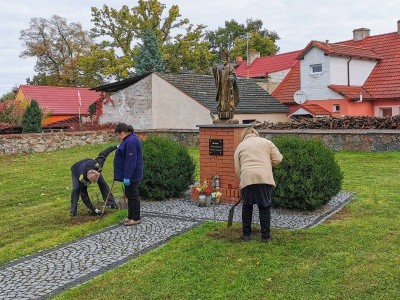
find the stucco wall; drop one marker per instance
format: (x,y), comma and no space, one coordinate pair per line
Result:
(175,110)
(359,70)
(131,105)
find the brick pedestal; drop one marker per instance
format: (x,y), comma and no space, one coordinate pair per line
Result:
(221,165)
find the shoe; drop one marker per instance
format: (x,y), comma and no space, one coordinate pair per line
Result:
(72,214)
(265,240)
(112,206)
(131,222)
(245,238)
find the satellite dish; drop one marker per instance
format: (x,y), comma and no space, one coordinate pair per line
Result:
(300,97)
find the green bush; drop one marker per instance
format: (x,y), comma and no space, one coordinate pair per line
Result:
(32,118)
(168,168)
(308,176)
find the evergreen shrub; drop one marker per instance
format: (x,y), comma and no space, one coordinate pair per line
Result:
(32,118)
(168,168)
(308,176)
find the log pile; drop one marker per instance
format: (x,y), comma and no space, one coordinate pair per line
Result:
(355,122)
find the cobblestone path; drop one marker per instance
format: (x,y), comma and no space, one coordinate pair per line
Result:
(48,272)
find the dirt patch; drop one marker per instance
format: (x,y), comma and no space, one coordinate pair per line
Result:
(81,219)
(231,234)
(343,214)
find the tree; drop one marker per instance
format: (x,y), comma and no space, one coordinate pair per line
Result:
(237,38)
(149,57)
(125,27)
(255,43)
(7,96)
(32,118)
(57,47)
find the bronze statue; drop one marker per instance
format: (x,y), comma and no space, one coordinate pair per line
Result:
(227,89)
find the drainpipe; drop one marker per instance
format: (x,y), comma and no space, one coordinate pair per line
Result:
(348,71)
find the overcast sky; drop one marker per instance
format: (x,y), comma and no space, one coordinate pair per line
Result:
(297,22)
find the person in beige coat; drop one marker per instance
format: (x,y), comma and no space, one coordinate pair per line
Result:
(254,158)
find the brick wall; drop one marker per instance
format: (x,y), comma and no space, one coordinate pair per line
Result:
(221,165)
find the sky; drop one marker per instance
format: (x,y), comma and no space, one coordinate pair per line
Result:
(297,22)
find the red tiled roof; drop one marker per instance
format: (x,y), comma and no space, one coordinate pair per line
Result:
(263,66)
(60,100)
(384,81)
(290,84)
(351,92)
(341,50)
(313,109)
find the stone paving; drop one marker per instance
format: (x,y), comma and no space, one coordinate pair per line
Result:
(48,272)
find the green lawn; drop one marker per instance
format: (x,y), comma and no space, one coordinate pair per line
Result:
(353,255)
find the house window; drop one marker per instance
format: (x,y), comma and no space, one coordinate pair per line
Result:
(385,112)
(248,121)
(316,69)
(336,108)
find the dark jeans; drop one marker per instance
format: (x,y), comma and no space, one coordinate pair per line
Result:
(132,194)
(79,189)
(265,220)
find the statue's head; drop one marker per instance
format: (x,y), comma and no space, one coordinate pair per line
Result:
(225,56)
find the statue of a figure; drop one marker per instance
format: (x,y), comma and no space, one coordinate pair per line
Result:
(227,89)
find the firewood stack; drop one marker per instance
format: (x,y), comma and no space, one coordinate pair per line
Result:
(355,122)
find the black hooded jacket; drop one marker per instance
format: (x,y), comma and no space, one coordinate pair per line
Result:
(80,168)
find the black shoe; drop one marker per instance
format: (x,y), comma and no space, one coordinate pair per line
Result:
(72,214)
(112,206)
(265,240)
(245,238)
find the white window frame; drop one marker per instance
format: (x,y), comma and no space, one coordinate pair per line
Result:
(315,66)
(336,108)
(381,109)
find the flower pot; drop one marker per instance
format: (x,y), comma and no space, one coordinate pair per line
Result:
(202,200)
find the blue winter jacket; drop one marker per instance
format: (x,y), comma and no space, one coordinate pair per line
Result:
(128,159)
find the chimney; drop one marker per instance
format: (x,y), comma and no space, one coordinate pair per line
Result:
(253,56)
(360,34)
(398,26)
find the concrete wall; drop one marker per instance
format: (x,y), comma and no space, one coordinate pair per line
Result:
(369,140)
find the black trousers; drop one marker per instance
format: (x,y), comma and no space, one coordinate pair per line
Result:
(132,194)
(265,220)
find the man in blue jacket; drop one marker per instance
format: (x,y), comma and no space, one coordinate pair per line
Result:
(128,168)
(85,172)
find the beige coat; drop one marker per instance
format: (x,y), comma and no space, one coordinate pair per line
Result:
(254,158)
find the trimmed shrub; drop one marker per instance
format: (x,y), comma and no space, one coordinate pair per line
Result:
(32,118)
(308,176)
(168,168)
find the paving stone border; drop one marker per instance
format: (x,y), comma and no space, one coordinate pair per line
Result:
(48,272)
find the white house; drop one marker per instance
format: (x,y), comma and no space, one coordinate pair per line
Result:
(182,101)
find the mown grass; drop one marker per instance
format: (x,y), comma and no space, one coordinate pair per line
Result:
(353,255)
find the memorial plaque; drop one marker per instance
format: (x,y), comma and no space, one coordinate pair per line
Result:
(216,147)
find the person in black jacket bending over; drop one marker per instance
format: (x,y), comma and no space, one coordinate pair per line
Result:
(85,172)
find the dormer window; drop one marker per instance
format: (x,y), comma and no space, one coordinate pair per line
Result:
(316,69)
